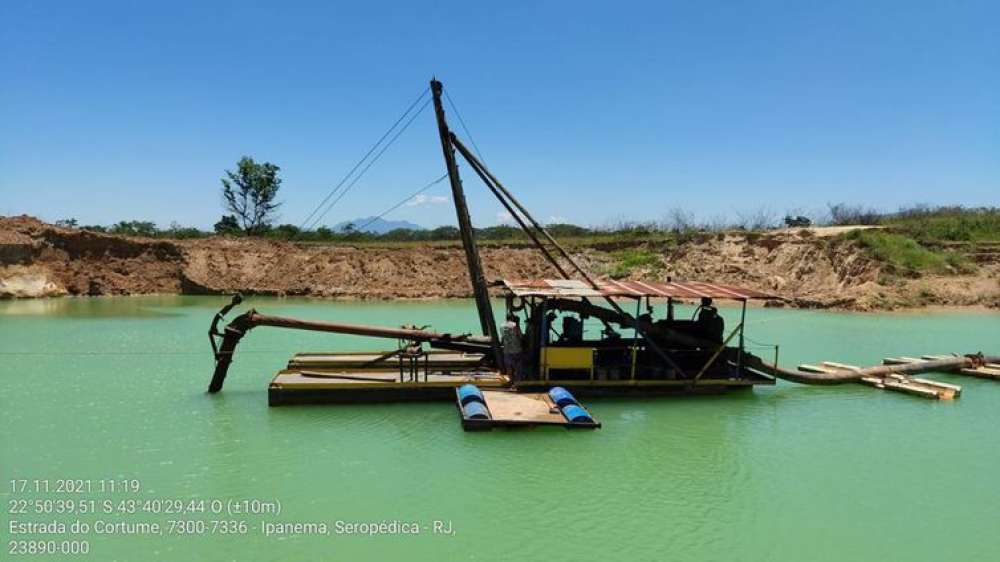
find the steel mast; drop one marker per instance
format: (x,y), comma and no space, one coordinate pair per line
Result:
(487,320)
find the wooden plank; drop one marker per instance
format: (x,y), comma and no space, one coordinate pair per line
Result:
(917,387)
(906,360)
(525,407)
(873,381)
(815,369)
(993,374)
(840,366)
(947,385)
(947,391)
(908,388)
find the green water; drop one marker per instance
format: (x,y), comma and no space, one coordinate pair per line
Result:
(114,388)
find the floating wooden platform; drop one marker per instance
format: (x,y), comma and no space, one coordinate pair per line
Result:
(520,409)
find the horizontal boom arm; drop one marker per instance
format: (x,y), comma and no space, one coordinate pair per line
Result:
(249,320)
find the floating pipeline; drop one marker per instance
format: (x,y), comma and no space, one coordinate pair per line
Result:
(843,376)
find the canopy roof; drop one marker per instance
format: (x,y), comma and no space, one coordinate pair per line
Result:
(633,289)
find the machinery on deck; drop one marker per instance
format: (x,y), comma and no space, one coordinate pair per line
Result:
(595,350)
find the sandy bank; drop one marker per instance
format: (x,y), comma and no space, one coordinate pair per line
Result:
(42,260)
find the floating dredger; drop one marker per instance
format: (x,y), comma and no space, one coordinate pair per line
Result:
(528,369)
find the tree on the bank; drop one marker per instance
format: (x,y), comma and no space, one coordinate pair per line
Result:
(249,194)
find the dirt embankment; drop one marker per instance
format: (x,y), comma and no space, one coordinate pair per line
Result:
(38,260)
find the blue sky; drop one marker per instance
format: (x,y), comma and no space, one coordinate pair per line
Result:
(591,112)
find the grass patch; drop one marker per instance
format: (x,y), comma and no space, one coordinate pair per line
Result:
(954,224)
(906,256)
(629,260)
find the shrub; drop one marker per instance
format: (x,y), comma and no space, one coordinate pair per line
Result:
(842,214)
(134,228)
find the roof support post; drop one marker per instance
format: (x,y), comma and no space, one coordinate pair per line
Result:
(743,321)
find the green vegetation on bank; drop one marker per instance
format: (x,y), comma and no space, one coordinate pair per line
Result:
(634,258)
(444,234)
(928,225)
(905,256)
(948,224)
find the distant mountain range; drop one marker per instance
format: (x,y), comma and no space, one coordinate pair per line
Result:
(378,226)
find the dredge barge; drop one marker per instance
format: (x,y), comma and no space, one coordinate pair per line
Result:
(576,335)
(555,349)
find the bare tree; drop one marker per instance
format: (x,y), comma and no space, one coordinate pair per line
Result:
(679,221)
(718,223)
(761,218)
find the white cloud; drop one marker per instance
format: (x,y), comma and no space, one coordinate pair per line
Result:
(422,200)
(503,217)
(555,219)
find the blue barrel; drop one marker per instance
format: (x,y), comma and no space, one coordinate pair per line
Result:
(475,411)
(470,393)
(577,414)
(561,397)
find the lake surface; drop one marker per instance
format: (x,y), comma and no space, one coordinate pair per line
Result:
(114,388)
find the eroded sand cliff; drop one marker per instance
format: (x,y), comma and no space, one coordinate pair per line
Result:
(42,260)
